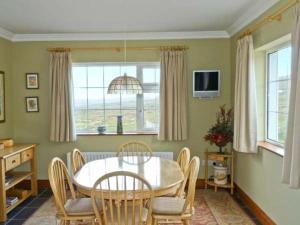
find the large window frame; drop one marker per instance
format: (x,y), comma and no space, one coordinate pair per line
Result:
(267,83)
(147,88)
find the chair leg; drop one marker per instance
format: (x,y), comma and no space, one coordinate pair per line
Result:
(186,222)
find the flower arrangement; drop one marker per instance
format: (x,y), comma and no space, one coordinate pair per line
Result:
(221,133)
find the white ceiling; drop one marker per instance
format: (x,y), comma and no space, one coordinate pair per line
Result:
(18,18)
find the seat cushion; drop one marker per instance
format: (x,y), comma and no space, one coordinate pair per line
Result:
(168,205)
(80,206)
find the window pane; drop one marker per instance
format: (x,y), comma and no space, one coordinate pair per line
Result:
(94,107)
(128,101)
(129,70)
(151,100)
(110,73)
(112,101)
(95,98)
(111,120)
(81,120)
(277,125)
(278,94)
(79,75)
(151,118)
(80,98)
(284,63)
(273,66)
(129,120)
(95,76)
(278,97)
(95,119)
(149,75)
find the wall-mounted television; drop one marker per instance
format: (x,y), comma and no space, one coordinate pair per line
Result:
(206,83)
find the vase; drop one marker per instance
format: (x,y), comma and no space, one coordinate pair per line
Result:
(221,149)
(119,125)
(101,129)
(220,175)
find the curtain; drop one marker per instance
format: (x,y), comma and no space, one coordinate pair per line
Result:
(291,159)
(173,96)
(245,112)
(62,127)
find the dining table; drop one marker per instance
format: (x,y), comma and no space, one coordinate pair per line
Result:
(164,175)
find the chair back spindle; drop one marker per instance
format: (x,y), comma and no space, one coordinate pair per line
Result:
(134,148)
(124,195)
(192,173)
(60,181)
(77,160)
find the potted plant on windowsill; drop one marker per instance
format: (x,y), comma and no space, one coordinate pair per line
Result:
(221,133)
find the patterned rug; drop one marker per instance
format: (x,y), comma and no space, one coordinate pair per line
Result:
(211,208)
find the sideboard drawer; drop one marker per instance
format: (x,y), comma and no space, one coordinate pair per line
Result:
(27,155)
(12,162)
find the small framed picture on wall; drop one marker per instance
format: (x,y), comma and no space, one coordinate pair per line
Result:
(2,97)
(32,104)
(32,80)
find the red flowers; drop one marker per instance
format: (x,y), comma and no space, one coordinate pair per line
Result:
(221,133)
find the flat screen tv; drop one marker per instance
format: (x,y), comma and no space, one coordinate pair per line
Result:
(206,83)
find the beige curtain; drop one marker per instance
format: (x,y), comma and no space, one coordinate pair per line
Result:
(62,127)
(173,96)
(245,113)
(291,159)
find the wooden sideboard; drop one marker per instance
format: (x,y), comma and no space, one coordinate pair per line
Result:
(11,158)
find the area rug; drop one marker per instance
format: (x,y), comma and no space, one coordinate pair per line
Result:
(211,208)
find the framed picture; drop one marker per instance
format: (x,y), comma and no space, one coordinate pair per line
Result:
(2,98)
(32,80)
(32,104)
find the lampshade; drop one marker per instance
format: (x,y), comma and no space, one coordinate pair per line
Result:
(125,85)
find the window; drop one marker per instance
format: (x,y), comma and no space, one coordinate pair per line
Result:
(94,107)
(278,90)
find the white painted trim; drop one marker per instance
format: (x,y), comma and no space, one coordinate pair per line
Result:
(6,34)
(250,15)
(120,36)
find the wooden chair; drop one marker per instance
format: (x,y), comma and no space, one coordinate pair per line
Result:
(175,209)
(183,159)
(125,197)
(77,160)
(135,148)
(72,209)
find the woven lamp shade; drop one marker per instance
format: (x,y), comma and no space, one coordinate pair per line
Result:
(125,85)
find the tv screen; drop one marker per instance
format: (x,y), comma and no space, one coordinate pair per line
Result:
(206,81)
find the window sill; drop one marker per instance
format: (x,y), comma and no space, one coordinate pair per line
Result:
(116,134)
(271,147)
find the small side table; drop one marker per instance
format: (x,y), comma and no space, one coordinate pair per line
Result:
(228,159)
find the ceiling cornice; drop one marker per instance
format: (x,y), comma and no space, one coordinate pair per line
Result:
(250,15)
(120,36)
(6,34)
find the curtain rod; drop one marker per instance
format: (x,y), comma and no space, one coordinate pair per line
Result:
(118,49)
(276,16)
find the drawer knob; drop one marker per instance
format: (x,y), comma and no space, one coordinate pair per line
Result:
(28,155)
(14,161)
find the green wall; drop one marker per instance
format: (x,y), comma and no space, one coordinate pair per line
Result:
(259,175)
(5,66)
(34,127)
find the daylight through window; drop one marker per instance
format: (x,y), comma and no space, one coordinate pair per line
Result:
(94,107)
(278,90)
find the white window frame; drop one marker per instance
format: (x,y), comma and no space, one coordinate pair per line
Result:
(139,97)
(270,51)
